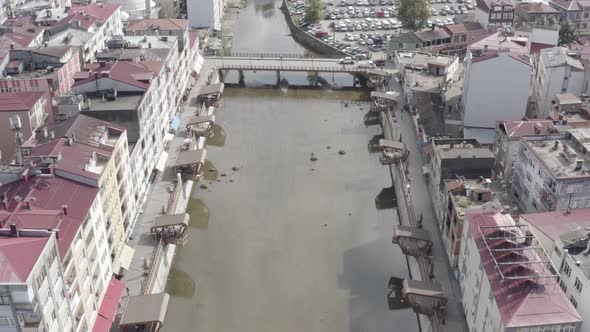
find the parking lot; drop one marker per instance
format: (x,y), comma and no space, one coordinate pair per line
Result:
(363,27)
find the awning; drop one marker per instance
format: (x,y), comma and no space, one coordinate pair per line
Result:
(143,309)
(211,89)
(126,257)
(169,137)
(111,300)
(102,324)
(161,165)
(190,157)
(175,122)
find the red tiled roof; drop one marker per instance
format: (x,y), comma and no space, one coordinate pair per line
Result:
(46,196)
(102,11)
(18,101)
(121,71)
(537,47)
(518,129)
(20,39)
(555,223)
(519,304)
(464,27)
(161,24)
(18,256)
(23,30)
(102,324)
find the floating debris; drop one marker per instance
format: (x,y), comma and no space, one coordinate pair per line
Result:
(313,158)
(345,104)
(325,225)
(341,152)
(218,180)
(222,174)
(235,168)
(212,170)
(349,214)
(204,186)
(312,169)
(231,180)
(328,147)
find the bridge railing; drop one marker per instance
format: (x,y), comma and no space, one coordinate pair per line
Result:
(292,68)
(275,55)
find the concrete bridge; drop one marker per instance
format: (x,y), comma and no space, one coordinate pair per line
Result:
(294,63)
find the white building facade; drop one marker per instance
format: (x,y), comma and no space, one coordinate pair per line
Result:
(496,87)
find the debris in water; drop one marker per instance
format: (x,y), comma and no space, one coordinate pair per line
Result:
(328,147)
(312,169)
(345,104)
(341,152)
(212,170)
(204,186)
(231,180)
(349,214)
(222,174)
(235,168)
(218,180)
(325,225)
(313,158)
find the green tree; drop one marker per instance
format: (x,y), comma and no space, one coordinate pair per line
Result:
(567,33)
(313,11)
(413,14)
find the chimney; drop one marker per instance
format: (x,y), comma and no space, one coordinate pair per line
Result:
(13,230)
(65,209)
(27,204)
(12,46)
(555,146)
(579,164)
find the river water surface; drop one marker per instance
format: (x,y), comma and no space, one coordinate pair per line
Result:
(280,242)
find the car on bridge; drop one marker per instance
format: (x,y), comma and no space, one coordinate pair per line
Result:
(346,61)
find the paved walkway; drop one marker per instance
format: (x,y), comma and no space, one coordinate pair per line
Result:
(455,320)
(158,196)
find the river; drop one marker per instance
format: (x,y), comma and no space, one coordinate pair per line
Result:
(289,231)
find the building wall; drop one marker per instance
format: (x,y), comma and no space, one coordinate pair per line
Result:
(482,17)
(489,94)
(31,121)
(205,13)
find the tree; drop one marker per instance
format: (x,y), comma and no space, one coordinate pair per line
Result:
(413,14)
(313,11)
(567,33)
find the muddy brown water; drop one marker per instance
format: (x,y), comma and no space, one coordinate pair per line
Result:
(285,243)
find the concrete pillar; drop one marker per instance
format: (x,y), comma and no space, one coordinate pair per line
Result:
(241,80)
(278,77)
(315,78)
(220,72)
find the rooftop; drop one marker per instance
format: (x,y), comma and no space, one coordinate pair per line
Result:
(435,34)
(536,8)
(567,99)
(562,157)
(50,15)
(521,128)
(499,41)
(160,24)
(464,27)
(492,193)
(70,37)
(22,30)
(416,73)
(460,148)
(525,290)
(18,101)
(487,4)
(134,74)
(559,56)
(18,256)
(571,228)
(46,197)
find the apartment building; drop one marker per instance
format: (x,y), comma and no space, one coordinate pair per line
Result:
(46,69)
(78,279)
(87,27)
(564,235)
(33,108)
(499,13)
(576,12)
(496,86)
(552,174)
(507,144)
(454,158)
(93,152)
(463,196)
(557,71)
(507,280)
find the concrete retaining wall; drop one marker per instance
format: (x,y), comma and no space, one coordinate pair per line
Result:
(306,39)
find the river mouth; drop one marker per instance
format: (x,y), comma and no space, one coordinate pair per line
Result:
(293,230)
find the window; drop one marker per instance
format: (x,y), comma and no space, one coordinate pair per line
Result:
(566,269)
(557,251)
(525,192)
(534,203)
(586,15)
(574,302)
(578,285)
(563,286)
(4,299)
(584,25)
(529,177)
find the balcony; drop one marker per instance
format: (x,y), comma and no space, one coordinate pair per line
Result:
(75,301)
(44,291)
(53,270)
